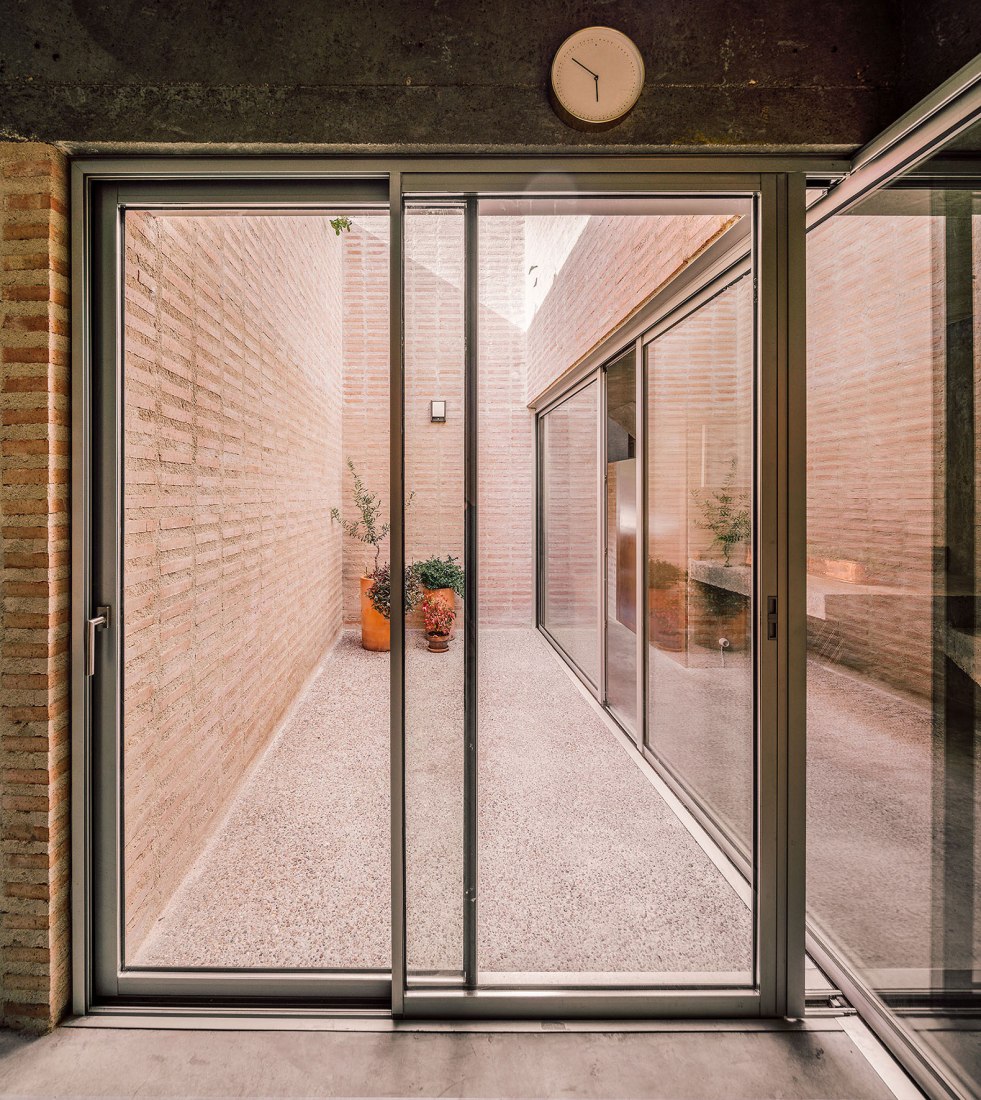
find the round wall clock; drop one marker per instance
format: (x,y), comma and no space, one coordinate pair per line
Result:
(597,78)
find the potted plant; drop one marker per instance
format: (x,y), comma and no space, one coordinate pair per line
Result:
(666,593)
(376,619)
(441,577)
(726,513)
(369,529)
(438,617)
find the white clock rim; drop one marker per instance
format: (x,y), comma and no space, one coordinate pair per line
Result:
(631,49)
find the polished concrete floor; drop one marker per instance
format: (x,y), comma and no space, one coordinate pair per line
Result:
(583,866)
(683,1063)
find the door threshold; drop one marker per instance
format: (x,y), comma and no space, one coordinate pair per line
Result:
(307,1020)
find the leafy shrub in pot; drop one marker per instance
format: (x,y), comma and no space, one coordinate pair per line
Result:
(436,574)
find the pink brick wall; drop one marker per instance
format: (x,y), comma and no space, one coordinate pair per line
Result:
(232,462)
(434,358)
(434,363)
(616,264)
(364,413)
(507,431)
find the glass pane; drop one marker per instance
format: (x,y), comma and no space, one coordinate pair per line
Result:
(255,727)
(894,397)
(571,551)
(434,533)
(700,537)
(621,538)
(588,873)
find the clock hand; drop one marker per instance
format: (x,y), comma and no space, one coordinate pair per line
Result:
(596,78)
(582,66)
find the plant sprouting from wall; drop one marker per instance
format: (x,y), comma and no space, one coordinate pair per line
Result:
(339,225)
(726,513)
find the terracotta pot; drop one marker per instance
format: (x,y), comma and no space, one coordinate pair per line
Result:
(376,630)
(669,618)
(438,643)
(447,595)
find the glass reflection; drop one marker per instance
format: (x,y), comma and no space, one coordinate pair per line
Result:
(893,559)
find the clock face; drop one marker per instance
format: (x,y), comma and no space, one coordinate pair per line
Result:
(597,77)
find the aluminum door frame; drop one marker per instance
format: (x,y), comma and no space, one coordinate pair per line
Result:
(779,180)
(101,977)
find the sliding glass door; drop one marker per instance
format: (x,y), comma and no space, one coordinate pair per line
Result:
(396,497)
(548,772)
(239,757)
(623,622)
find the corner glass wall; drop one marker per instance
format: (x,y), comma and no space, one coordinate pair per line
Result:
(894,662)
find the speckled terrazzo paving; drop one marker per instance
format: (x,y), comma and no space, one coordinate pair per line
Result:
(582,865)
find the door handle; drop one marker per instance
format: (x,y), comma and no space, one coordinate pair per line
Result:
(100,622)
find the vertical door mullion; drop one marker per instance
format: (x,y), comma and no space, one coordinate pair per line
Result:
(102,693)
(470,608)
(778,594)
(396,295)
(603,534)
(640,568)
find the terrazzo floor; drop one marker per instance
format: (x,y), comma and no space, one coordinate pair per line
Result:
(582,865)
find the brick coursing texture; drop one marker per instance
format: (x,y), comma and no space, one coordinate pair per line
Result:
(599,277)
(233,365)
(34,741)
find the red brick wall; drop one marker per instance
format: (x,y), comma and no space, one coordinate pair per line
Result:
(34,736)
(232,566)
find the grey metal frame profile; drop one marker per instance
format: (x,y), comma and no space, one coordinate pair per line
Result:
(101,189)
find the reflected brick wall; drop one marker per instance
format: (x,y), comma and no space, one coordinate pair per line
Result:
(875,346)
(232,567)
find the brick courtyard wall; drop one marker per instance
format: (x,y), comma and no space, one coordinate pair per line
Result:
(507,430)
(232,566)
(598,278)
(434,366)
(34,587)
(366,388)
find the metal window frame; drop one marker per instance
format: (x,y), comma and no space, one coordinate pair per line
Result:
(597,687)
(252,180)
